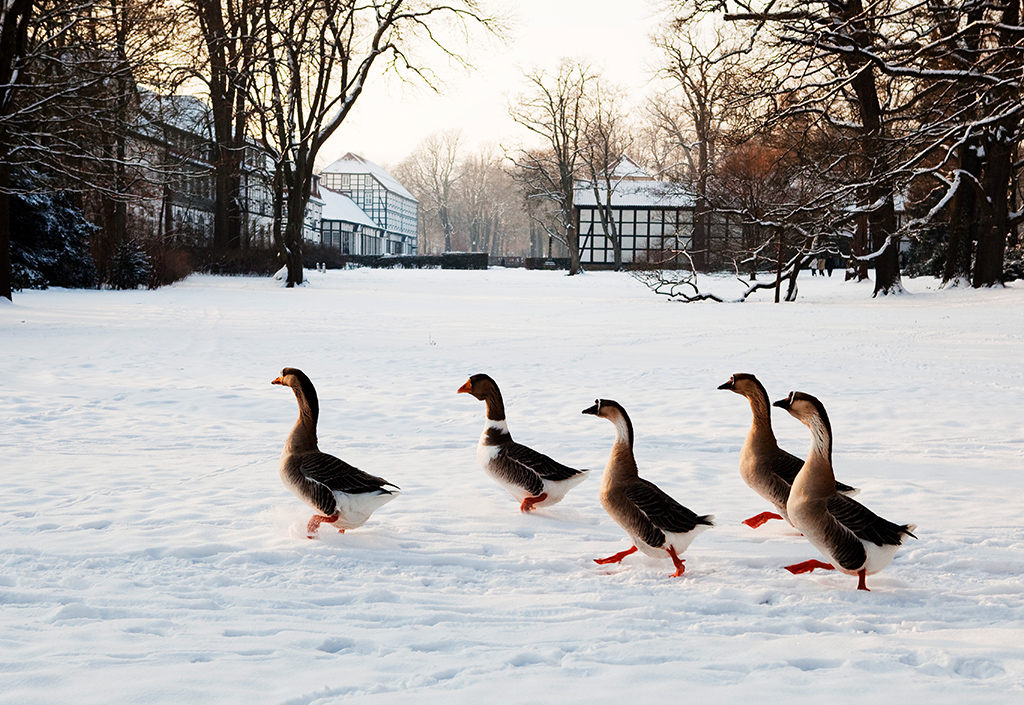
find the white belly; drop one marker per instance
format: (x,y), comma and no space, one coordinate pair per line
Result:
(679,542)
(355,509)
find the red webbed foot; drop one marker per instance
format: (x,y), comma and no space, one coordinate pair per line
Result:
(617,558)
(808,566)
(528,503)
(756,521)
(680,568)
(861,574)
(317,519)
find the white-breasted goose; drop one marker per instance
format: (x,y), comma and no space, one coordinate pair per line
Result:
(533,478)
(766,468)
(855,539)
(656,523)
(344,495)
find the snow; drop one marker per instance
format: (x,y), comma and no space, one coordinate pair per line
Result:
(151,554)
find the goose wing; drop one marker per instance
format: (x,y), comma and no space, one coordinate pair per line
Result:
(335,475)
(508,469)
(539,463)
(665,513)
(786,465)
(864,523)
(845,547)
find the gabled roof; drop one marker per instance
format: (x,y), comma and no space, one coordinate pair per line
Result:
(338,206)
(637,194)
(626,168)
(184,112)
(354,164)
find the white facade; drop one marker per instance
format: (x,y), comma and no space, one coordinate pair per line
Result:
(345,227)
(380,196)
(649,216)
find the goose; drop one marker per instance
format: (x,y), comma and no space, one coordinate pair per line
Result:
(533,478)
(656,523)
(857,541)
(345,496)
(766,468)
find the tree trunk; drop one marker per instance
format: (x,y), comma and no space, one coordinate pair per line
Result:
(298,197)
(778,265)
(991,251)
(6,285)
(882,224)
(963,217)
(572,241)
(989,256)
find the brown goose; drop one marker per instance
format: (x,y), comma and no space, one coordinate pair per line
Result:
(531,477)
(858,541)
(345,496)
(657,524)
(766,468)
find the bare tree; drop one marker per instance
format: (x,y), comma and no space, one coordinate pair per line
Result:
(228,31)
(604,144)
(823,67)
(431,171)
(553,109)
(489,209)
(316,59)
(69,76)
(15,20)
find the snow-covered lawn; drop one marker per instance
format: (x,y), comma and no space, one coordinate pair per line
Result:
(150,553)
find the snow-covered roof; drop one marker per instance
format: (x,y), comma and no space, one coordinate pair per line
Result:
(338,206)
(354,164)
(185,112)
(628,169)
(637,194)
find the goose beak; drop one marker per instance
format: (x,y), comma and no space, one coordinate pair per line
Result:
(592,410)
(782,403)
(466,388)
(278,381)
(727,385)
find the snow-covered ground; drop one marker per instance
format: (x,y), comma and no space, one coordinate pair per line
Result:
(150,553)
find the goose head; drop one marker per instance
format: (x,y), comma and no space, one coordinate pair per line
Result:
(305,393)
(486,390)
(480,386)
(744,383)
(613,411)
(291,377)
(811,413)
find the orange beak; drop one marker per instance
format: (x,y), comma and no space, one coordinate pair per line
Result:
(466,388)
(277,381)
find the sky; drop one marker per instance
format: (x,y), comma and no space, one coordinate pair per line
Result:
(391,117)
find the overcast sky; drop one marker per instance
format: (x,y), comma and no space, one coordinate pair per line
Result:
(391,118)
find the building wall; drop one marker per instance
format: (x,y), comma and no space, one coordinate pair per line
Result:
(640,230)
(351,239)
(392,211)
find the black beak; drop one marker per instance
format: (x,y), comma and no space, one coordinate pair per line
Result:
(783,403)
(727,385)
(592,410)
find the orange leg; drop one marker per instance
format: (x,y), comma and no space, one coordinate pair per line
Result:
(861,574)
(528,503)
(756,521)
(317,520)
(808,566)
(677,560)
(617,558)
